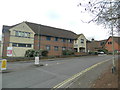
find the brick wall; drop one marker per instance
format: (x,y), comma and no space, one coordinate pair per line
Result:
(52,43)
(109,46)
(6,40)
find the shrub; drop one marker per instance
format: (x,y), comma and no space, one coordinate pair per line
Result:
(103,50)
(67,52)
(30,53)
(34,53)
(44,53)
(93,53)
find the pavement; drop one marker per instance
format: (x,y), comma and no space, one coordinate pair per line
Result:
(86,79)
(27,75)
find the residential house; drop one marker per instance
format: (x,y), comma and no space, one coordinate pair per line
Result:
(94,46)
(27,35)
(108,44)
(80,43)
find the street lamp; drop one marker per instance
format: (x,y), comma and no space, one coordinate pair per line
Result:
(113,53)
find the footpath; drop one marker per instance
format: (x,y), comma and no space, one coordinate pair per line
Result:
(99,77)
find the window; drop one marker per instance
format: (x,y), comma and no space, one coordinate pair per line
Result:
(63,40)
(21,45)
(75,41)
(56,48)
(29,45)
(14,44)
(56,38)
(48,38)
(48,47)
(82,40)
(63,48)
(22,34)
(109,42)
(70,41)
(16,33)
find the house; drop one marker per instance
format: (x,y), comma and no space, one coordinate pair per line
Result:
(80,43)
(94,45)
(108,44)
(27,35)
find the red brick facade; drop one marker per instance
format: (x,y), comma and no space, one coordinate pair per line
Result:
(52,43)
(6,40)
(108,44)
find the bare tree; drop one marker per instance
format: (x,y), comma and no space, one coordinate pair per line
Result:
(105,12)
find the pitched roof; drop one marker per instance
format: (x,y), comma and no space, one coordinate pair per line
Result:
(51,31)
(116,39)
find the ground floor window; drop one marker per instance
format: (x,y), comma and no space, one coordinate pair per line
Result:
(56,48)
(21,45)
(48,47)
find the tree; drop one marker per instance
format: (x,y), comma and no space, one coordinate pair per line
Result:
(104,12)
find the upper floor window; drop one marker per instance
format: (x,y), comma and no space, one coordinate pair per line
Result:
(75,41)
(56,39)
(22,34)
(82,40)
(48,38)
(102,43)
(63,40)
(109,42)
(70,41)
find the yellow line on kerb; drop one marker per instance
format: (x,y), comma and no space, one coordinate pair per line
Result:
(78,74)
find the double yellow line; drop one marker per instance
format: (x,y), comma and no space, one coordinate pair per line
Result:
(78,74)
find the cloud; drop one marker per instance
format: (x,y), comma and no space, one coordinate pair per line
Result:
(56,13)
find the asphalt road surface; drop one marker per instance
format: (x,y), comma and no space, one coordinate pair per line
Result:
(26,75)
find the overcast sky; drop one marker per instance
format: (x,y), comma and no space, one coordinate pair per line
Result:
(56,13)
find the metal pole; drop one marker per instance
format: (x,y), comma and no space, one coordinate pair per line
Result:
(113,53)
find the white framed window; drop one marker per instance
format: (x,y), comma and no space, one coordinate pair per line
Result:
(48,47)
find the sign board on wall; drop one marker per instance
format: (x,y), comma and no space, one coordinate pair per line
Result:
(9,51)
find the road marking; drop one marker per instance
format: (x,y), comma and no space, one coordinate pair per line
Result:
(46,64)
(78,74)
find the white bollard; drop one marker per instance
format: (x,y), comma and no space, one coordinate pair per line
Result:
(36,60)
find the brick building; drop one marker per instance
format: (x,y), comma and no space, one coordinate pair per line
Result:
(27,35)
(108,44)
(94,45)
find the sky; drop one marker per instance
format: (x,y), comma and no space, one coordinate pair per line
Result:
(63,14)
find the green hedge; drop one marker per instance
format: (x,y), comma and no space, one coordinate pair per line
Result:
(67,52)
(34,53)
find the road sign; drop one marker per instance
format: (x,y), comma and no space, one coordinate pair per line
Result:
(9,51)
(36,60)
(4,64)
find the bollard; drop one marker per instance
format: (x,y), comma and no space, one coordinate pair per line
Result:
(36,60)
(3,64)
(113,70)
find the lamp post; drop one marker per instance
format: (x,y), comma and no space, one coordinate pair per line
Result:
(113,53)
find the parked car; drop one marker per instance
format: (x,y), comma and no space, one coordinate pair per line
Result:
(101,53)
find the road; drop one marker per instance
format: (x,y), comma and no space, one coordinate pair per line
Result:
(26,75)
